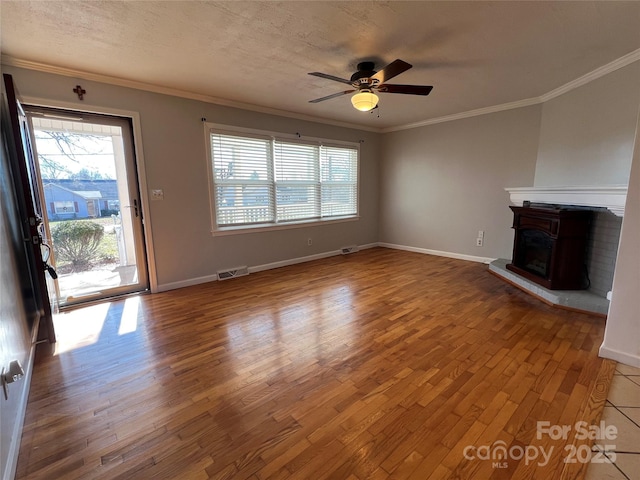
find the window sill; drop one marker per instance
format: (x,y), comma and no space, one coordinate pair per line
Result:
(224,231)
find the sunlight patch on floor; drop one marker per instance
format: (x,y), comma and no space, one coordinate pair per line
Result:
(80,327)
(129,318)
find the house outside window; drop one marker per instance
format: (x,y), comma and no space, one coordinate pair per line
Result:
(267,180)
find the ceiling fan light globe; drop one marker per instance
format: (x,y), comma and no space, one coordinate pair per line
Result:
(364,101)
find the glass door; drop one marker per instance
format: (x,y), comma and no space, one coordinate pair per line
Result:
(93,219)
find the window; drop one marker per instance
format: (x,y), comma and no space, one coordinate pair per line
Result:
(262,180)
(64,207)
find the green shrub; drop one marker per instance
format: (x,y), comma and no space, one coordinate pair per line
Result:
(77,242)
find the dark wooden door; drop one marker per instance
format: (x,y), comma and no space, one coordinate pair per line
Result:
(24,178)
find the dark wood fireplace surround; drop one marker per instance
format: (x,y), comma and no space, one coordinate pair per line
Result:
(550,245)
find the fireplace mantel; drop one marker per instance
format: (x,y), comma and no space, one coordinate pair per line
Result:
(612,197)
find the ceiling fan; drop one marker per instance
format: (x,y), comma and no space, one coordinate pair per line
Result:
(367,80)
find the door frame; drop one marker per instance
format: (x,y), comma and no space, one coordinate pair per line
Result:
(140,168)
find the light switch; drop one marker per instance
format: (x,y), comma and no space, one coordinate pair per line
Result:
(157,194)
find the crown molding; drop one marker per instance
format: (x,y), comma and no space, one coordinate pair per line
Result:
(471,113)
(610,67)
(149,87)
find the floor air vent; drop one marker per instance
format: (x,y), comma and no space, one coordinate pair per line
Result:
(232,273)
(349,249)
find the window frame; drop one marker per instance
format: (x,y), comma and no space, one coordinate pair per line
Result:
(215,128)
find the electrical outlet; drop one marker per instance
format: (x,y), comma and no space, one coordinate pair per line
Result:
(157,194)
(479,242)
(309,242)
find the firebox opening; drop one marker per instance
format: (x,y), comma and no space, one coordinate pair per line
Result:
(534,252)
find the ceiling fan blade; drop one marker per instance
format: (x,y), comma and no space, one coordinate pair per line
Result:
(330,77)
(406,89)
(394,68)
(328,97)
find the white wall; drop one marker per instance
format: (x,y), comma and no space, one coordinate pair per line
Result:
(622,333)
(587,134)
(173,142)
(442,183)
(15,344)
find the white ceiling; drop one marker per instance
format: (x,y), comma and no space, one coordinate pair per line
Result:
(476,54)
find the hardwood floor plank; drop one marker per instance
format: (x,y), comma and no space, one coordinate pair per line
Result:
(382,364)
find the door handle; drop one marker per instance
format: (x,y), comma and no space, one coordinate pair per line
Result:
(51,270)
(134,206)
(45,260)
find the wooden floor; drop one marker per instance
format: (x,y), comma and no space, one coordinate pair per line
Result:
(378,365)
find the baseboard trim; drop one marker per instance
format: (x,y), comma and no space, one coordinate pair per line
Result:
(618,356)
(165,287)
(439,253)
(257,268)
(293,261)
(308,258)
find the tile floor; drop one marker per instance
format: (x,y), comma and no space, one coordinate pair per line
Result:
(622,410)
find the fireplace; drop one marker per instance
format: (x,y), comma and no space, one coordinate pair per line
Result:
(550,245)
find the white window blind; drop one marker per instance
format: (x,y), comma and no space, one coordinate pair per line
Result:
(265,180)
(242,179)
(297,180)
(339,167)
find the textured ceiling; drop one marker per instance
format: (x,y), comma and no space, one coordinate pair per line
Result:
(476,54)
